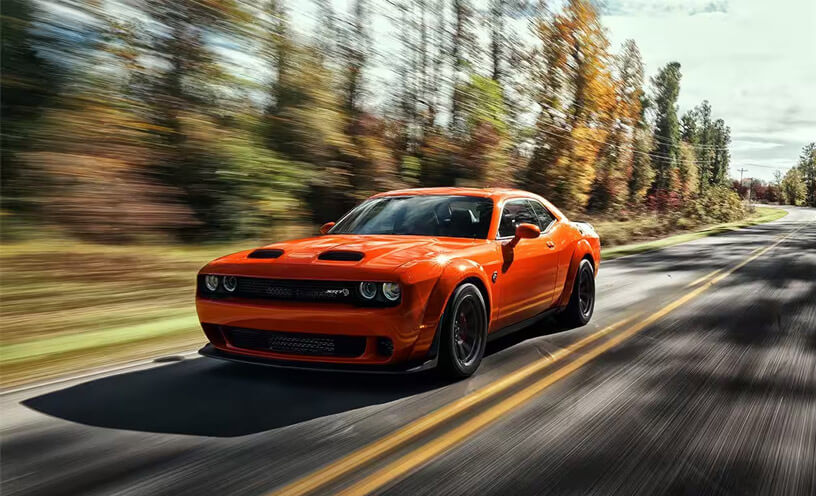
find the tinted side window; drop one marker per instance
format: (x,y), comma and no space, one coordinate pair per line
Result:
(516,212)
(544,215)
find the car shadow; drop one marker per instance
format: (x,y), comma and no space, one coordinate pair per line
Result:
(205,397)
(212,398)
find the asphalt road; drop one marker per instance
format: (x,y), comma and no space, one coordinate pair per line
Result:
(716,396)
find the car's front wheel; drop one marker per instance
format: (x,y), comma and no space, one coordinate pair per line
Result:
(463,332)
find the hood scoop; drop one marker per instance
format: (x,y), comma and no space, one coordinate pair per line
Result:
(265,253)
(341,255)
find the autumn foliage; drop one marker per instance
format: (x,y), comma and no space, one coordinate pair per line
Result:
(121,126)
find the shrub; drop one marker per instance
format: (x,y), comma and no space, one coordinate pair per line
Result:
(716,204)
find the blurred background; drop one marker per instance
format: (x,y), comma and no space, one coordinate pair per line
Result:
(141,138)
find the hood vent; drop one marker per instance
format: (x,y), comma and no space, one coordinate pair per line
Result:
(343,256)
(265,253)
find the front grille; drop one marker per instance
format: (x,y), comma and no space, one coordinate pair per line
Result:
(293,290)
(292,343)
(283,289)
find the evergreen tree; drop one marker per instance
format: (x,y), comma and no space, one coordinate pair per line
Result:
(705,144)
(807,169)
(721,157)
(642,174)
(667,130)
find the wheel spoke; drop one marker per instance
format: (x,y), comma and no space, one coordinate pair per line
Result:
(467,348)
(467,331)
(460,350)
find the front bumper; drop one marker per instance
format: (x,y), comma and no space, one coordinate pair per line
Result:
(401,325)
(408,367)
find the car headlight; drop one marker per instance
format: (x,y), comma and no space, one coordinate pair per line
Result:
(211,282)
(230,283)
(391,291)
(368,290)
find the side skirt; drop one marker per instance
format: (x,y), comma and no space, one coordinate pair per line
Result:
(504,331)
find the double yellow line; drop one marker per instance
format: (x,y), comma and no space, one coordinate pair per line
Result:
(415,458)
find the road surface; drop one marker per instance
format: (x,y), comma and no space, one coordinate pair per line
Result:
(704,384)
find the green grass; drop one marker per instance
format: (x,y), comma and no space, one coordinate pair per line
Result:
(760,216)
(69,306)
(68,343)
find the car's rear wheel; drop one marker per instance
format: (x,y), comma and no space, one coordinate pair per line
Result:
(582,301)
(463,333)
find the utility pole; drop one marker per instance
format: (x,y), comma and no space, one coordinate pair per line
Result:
(742,171)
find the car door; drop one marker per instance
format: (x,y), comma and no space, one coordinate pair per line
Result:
(526,280)
(552,232)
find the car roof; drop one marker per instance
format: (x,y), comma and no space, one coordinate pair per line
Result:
(495,193)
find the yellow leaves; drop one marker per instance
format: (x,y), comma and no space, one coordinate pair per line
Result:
(579,100)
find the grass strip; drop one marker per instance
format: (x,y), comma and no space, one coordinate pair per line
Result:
(763,215)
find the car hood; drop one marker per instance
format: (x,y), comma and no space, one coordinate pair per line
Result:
(317,256)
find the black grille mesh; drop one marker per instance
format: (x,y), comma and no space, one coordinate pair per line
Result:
(280,289)
(289,343)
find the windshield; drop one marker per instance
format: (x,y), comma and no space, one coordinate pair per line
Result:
(425,215)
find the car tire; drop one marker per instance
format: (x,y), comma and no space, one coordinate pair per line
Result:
(463,333)
(582,300)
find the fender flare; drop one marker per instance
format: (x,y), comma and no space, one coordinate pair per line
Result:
(582,249)
(453,274)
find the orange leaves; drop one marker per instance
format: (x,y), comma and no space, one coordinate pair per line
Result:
(578,96)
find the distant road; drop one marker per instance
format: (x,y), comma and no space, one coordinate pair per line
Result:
(705,384)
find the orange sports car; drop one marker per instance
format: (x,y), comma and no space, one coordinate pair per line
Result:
(407,280)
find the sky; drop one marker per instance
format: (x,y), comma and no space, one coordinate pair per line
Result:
(754,60)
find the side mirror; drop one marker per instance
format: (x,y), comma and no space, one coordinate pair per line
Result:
(524,231)
(325,228)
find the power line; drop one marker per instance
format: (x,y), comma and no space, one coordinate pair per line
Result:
(768,166)
(620,147)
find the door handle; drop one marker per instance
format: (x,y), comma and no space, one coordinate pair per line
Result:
(550,244)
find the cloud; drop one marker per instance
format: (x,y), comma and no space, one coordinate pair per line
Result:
(754,63)
(657,8)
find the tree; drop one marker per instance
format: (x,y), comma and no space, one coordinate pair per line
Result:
(642,173)
(721,156)
(28,86)
(463,44)
(617,163)
(807,169)
(667,131)
(485,151)
(793,187)
(355,49)
(687,181)
(92,153)
(704,143)
(576,94)
(688,128)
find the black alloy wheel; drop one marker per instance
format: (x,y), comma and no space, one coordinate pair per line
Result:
(464,332)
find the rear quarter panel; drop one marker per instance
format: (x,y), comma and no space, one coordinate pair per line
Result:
(587,244)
